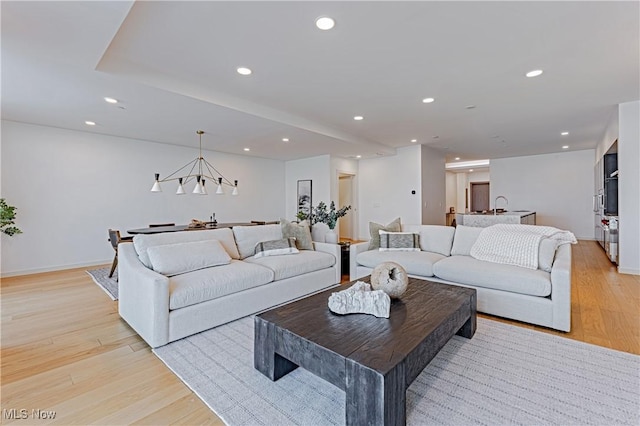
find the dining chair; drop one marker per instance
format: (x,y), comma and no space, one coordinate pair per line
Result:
(157,225)
(115,239)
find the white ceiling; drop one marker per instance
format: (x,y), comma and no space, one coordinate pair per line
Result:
(172,65)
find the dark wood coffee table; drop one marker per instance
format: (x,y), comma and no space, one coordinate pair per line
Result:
(374,360)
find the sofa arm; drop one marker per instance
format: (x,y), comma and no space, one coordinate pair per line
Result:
(335,250)
(143,297)
(354,251)
(561,288)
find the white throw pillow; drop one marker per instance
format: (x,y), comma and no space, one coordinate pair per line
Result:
(174,259)
(399,241)
(546,253)
(433,238)
(276,247)
(142,242)
(464,239)
(248,236)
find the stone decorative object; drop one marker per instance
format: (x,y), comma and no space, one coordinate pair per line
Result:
(360,299)
(391,278)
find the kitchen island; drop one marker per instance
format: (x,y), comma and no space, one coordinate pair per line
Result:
(483,220)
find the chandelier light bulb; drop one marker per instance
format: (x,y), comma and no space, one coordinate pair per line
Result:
(219,191)
(180,190)
(198,188)
(235,188)
(203,190)
(156,184)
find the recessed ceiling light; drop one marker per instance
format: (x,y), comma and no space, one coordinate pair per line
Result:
(414,140)
(325,23)
(285,139)
(565,146)
(534,73)
(243,71)
(470,106)
(564,133)
(436,137)
(457,158)
(90,123)
(470,170)
(111,100)
(247,149)
(427,100)
(358,118)
(358,156)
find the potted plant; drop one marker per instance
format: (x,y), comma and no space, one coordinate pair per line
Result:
(329,216)
(302,216)
(7,219)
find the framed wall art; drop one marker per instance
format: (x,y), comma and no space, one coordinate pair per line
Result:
(304,197)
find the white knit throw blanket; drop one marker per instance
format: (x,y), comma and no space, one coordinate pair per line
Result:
(516,244)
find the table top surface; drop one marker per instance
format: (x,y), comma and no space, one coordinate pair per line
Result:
(419,312)
(177,228)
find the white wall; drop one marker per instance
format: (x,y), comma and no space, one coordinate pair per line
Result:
(433,187)
(451,191)
(558,187)
(385,186)
(345,228)
(315,168)
(461,197)
(342,166)
(629,187)
(610,135)
(70,187)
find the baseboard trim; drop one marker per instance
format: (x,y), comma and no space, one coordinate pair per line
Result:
(54,268)
(628,271)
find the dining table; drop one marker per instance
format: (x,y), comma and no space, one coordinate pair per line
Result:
(177,228)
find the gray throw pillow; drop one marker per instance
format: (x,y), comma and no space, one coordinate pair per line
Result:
(276,247)
(399,241)
(299,231)
(375,228)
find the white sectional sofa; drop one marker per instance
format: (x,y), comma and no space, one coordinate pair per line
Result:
(165,307)
(538,296)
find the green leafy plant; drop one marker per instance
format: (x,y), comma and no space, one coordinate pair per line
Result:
(329,217)
(7,217)
(302,216)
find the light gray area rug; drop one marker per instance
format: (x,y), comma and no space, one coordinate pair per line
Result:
(504,375)
(109,285)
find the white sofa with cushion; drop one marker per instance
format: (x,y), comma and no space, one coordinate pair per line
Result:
(539,296)
(172,285)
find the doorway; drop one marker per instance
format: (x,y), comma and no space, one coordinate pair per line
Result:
(479,196)
(346,197)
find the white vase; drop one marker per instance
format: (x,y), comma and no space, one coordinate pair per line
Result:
(318,232)
(331,237)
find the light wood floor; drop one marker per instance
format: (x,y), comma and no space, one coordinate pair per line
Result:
(65,349)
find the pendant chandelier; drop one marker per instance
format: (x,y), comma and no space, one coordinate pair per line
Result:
(199,171)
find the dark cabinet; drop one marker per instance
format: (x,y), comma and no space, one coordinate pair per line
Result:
(610,184)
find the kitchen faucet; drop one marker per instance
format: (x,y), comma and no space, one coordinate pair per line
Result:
(495,203)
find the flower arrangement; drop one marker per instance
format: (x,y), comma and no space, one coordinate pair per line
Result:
(329,217)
